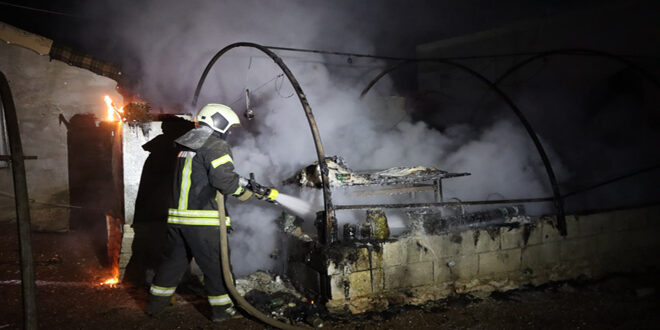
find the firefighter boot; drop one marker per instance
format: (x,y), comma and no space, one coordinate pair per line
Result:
(221,313)
(156,305)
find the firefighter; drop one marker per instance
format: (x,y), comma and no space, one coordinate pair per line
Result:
(204,167)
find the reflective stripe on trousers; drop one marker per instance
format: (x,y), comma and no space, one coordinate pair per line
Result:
(161,291)
(221,300)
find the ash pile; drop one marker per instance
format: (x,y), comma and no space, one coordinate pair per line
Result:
(274,295)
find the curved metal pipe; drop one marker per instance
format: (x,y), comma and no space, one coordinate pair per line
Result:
(612,180)
(387,70)
(557,200)
(327,197)
(22,205)
(583,52)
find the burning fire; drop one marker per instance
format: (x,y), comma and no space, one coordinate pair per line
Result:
(114,246)
(111,282)
(114,280)
(113,109)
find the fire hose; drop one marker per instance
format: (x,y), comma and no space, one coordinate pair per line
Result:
(229,278)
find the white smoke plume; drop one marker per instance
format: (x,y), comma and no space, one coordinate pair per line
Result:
(174,40)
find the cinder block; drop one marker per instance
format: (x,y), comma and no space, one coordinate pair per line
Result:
(410,275)
(572,226)
(618,220)
(360,283)
(453,244)
(127,244)
(579,248)
(338,283)
(419,249)
(435,247)
(487,241)
(367,259)
(334,269)
(123,261)
(468,245)
(609,243)
(458,268)
(535,257)
(499,261)
(549,231)
(638,221)
(592,224)
(126,250)
(393,253)
(128,232)
(641,239)
(356,284)
(355,259)
(511,238)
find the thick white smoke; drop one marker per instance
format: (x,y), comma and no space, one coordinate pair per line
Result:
(174,40)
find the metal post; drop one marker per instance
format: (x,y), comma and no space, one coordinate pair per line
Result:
(437,187)
(22,206)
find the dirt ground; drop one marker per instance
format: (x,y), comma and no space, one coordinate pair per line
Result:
(69,267)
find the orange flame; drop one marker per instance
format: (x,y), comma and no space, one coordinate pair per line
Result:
(114,280)
(110,281)
(113,109)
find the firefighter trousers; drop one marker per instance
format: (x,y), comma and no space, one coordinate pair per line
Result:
(184,243)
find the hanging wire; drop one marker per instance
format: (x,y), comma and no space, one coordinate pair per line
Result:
(242,96)
(278,87)
(9,4)
(396,58)
(247,73)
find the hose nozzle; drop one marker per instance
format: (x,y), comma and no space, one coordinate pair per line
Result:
(260,190)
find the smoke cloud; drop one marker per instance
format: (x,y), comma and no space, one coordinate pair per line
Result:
(174,40)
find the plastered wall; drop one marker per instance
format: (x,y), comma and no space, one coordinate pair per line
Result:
(43,90)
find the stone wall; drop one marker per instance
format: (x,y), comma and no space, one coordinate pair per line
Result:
(420,268)
(43,90)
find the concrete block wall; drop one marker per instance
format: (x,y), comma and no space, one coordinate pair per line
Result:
(416,269)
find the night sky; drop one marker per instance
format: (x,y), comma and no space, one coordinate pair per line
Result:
(395,27)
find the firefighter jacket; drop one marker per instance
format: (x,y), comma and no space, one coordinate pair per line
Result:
(199,175)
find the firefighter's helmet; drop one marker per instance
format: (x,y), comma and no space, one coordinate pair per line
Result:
(218,116)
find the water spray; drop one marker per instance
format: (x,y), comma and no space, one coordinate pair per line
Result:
(294,205)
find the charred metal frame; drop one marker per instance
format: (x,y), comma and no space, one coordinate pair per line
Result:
(22,205)
(440,204)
